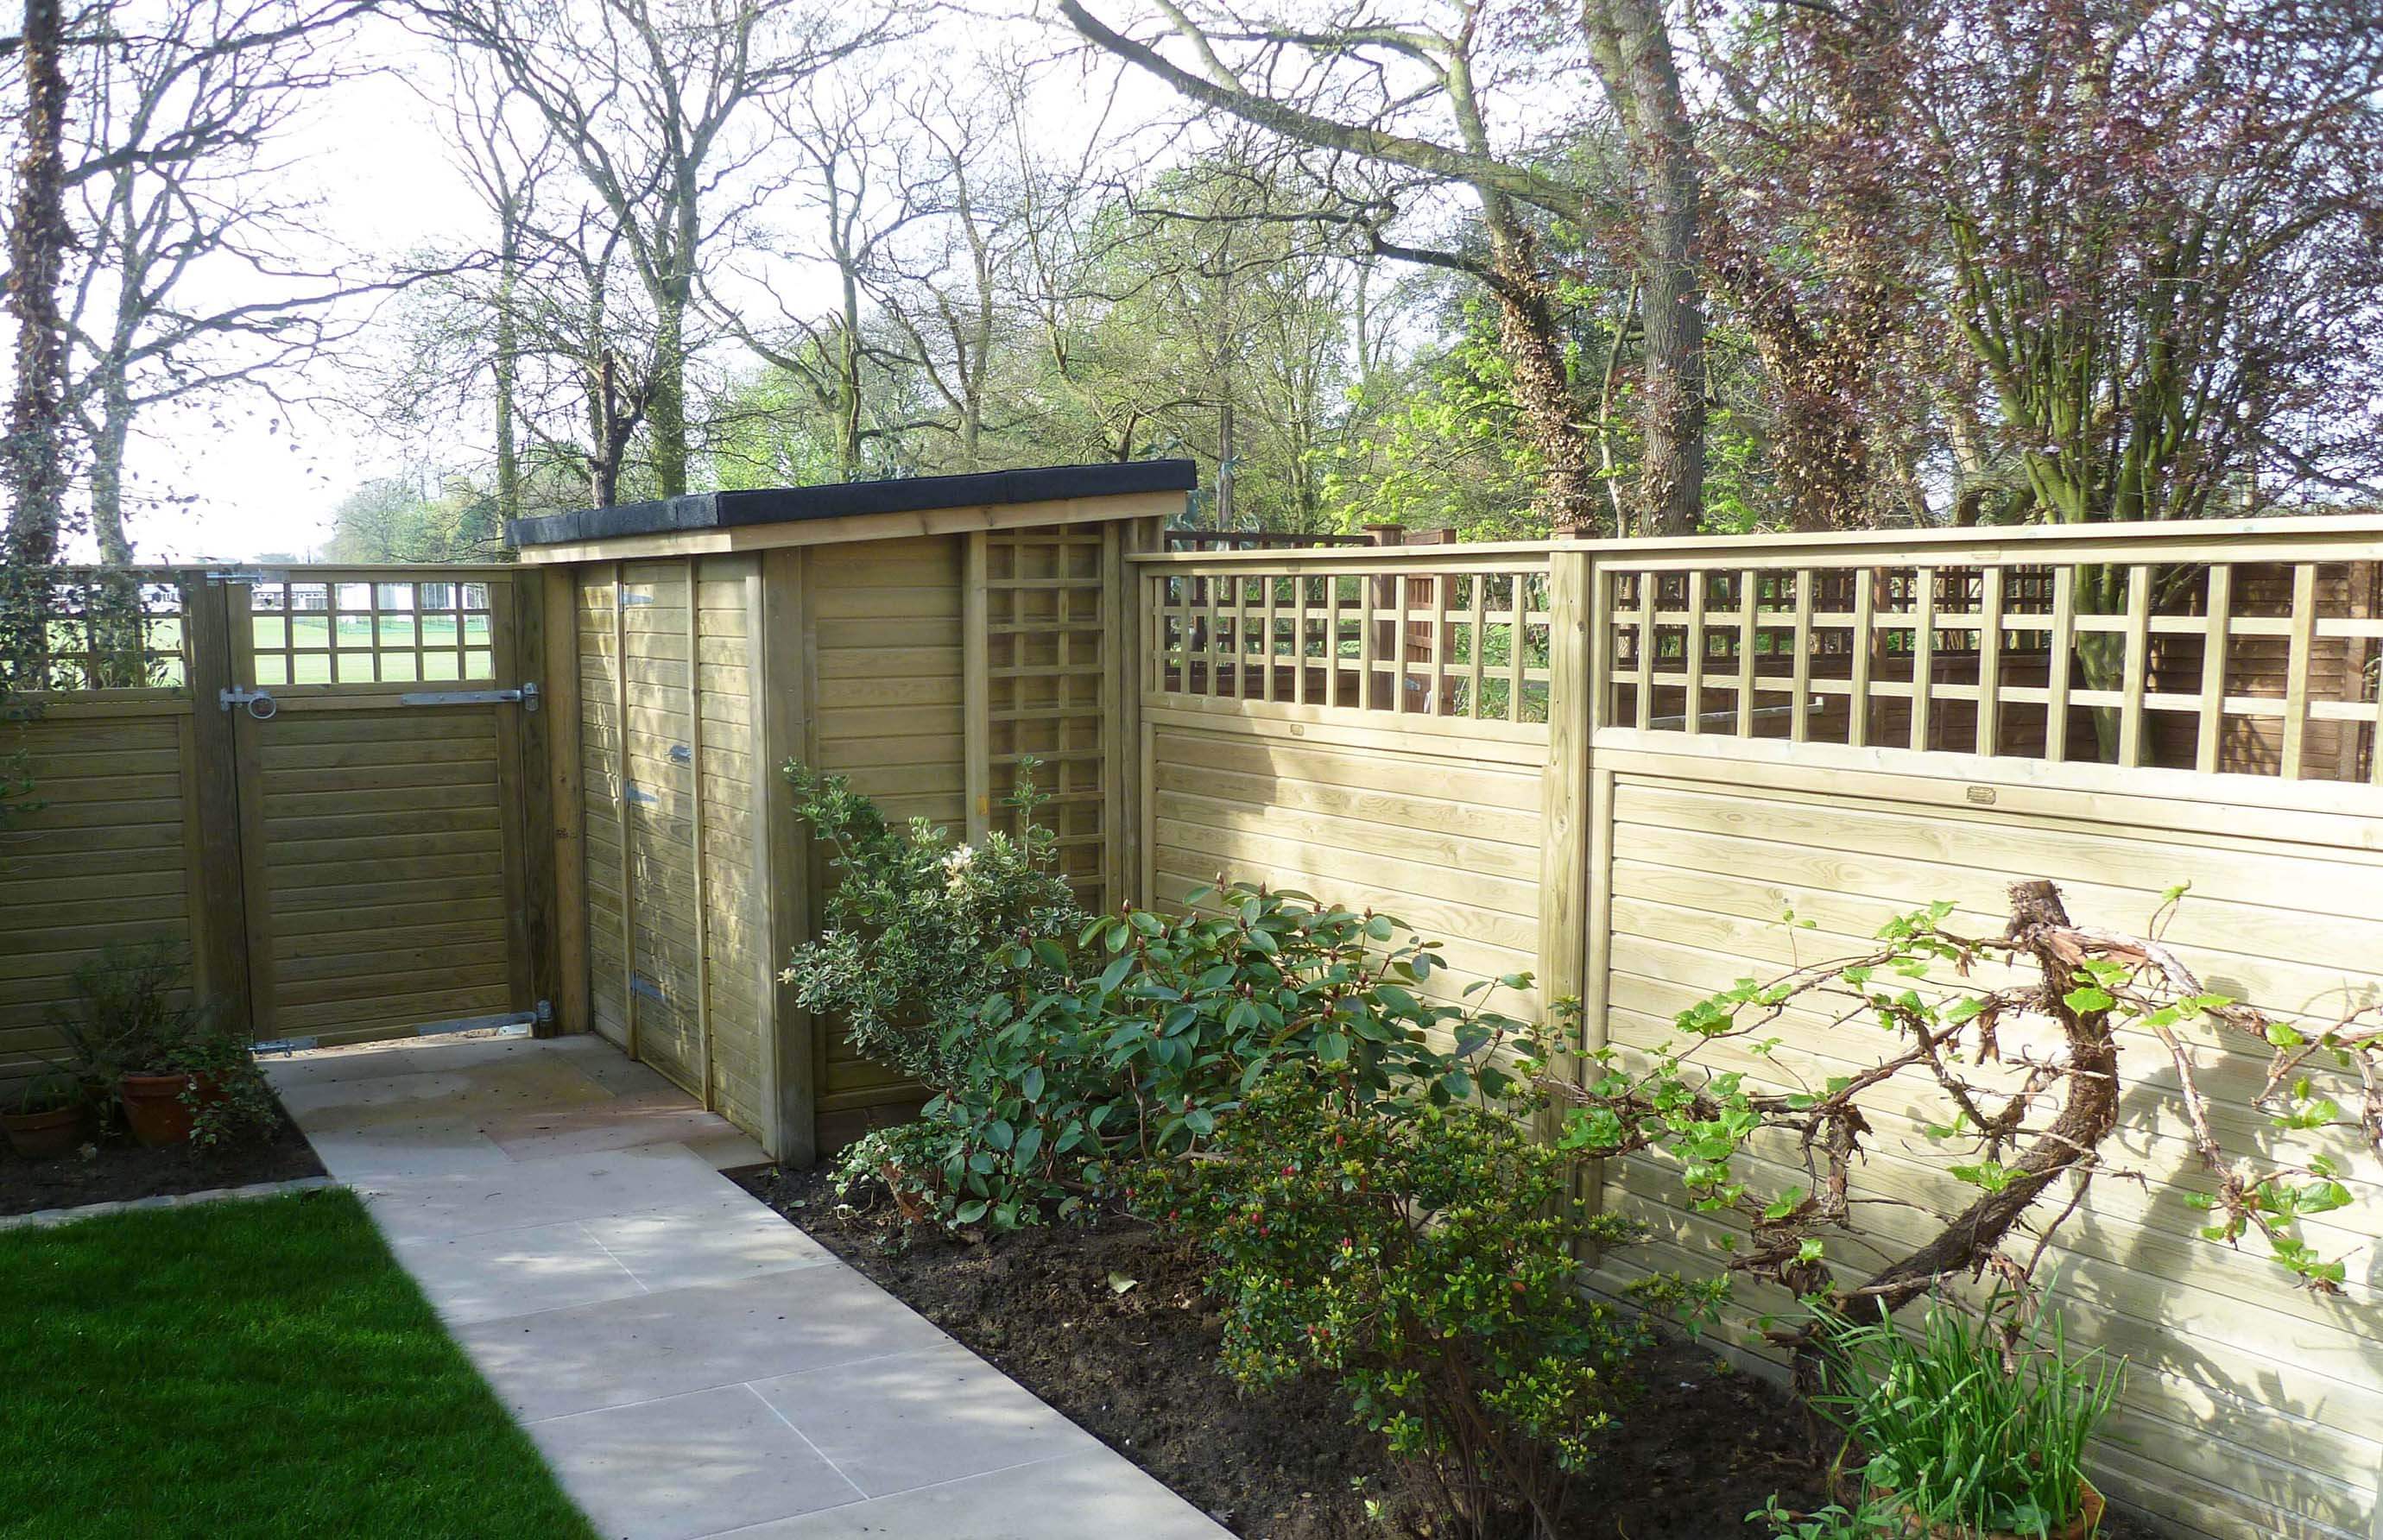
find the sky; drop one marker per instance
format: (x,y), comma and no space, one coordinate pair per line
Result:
(263,482)
(243,479)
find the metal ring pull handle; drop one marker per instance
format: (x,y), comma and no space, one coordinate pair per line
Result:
(262,707)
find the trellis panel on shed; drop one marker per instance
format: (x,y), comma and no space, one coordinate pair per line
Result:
(921,637)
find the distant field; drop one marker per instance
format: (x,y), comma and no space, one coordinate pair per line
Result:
(435,635)
(304,646)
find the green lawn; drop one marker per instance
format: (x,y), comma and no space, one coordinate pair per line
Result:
(246,1369)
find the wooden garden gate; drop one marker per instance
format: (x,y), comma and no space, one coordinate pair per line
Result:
(377,734)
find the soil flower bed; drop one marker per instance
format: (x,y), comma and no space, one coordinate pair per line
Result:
(1108,1325)
(116,1169)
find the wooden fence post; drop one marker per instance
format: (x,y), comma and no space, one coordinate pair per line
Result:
(220,945)
(564,831)
(1565,789)
(780,663)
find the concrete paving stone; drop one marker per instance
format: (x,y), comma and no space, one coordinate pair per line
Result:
(577,1187)
(666,1117)
(1096,1496)
(496,1273)
(404,1056)
(526,1084)
(727,1149)
(609,1068)
(681,1339)
(690,1364)
(422,1146)
(688,1465)
(916,1419)
(673,1249)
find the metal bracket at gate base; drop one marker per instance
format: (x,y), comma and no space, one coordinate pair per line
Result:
(522,1020)
(526,695)
(260,703)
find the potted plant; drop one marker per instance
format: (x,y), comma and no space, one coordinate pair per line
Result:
(1976,1430)
(139,1036)
(48,1116)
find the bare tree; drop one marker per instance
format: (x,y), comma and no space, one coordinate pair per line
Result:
(856,185)
(945,296)
(653,100)
(185,134)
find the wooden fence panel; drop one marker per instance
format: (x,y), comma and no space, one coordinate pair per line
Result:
(1854,727)
(1708,857)
(111,855)
(885,624)
(343,860)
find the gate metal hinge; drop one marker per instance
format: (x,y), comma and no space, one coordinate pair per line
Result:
(525,693)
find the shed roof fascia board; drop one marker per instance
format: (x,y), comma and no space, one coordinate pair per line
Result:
(716,511)
(868,526)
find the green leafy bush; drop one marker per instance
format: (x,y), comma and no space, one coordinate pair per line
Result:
(1143,1036)
(1426,1261)
(133,1014)
(1964,1427)
(1869,1520)
(917,924)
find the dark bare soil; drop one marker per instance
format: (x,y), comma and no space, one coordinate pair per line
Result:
(1697,1447)
(116,1169)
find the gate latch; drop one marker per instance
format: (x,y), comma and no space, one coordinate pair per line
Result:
(260,703)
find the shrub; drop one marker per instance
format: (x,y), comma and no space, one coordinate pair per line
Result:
(1138,1039)
(1423,1261)
(2015,1119)
(1963,1427)
(133,1016)
(916,922)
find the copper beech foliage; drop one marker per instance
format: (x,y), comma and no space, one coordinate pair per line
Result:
(2027,1129)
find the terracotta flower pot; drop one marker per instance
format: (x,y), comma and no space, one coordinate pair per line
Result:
(38,1136)
(153,1107)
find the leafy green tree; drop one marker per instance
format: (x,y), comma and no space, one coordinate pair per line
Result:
(393,520)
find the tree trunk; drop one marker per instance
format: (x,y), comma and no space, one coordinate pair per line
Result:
(507,363)
(847,376)
(666,408)
(1528,336)
(108,467)
(33,457)
(1632,49)
(114,602)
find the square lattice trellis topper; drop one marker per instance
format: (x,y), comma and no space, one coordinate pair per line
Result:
(365,630)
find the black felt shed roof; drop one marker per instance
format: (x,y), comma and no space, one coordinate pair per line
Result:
(842,500)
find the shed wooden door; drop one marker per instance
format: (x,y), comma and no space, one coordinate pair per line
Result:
(680,969)
(380,804)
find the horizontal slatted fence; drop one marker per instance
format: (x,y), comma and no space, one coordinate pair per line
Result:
(1705,733)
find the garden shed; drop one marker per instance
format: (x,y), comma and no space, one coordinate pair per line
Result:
(919,637)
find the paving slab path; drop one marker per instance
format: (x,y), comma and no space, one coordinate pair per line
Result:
(691,1365)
